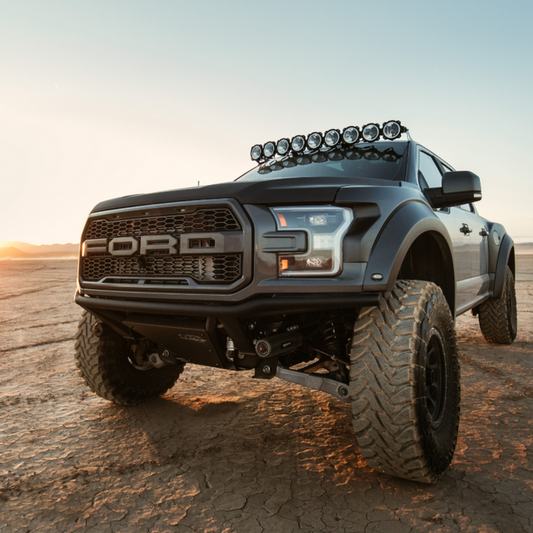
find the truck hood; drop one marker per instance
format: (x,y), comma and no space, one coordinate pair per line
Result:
(285,191)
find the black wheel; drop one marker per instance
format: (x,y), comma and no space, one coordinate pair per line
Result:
(497,316)
(404,382)
(117,371)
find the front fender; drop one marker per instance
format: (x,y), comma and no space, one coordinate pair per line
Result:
(396,237)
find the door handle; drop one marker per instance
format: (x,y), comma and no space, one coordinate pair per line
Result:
(465,229)
(484,232)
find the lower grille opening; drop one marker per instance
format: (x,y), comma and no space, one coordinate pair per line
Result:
(201,268)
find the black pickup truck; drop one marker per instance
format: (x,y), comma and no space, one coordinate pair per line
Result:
(339,263)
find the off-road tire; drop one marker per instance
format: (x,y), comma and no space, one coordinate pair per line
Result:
(404,382)
(105,364)
(497,316)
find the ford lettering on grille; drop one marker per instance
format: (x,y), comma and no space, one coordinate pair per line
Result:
(206,246)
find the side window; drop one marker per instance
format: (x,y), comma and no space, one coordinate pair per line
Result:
(428,172)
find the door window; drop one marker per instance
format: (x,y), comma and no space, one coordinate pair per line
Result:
(428,172)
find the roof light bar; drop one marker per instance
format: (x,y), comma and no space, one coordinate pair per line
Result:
(390,130)
(298,143)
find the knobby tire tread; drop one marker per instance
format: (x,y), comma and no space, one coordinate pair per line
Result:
(497,316)
(383,376)
(101,364)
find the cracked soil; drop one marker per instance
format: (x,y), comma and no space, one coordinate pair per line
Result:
(221,452)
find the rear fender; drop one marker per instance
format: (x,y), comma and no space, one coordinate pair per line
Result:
(505,257)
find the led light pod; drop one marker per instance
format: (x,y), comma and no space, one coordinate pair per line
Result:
(325,227)
(269,149)
(351,134)
(332,138)
(298,143)
(371,132)
(314,140)
(256,152)
(392,130)
(283,146)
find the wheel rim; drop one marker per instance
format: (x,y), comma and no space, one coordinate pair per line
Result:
(139,359)
(435,378)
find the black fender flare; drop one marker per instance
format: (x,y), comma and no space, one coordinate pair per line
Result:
(396,237)
(506,252)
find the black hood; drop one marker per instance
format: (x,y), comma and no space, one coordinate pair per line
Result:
(285,191)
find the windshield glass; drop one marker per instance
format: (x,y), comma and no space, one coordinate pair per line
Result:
(383,160)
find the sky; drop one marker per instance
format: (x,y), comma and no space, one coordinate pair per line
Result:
(109,98)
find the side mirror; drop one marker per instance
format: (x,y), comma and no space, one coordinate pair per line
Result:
(460,187)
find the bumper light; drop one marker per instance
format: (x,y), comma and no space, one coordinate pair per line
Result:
(326,228)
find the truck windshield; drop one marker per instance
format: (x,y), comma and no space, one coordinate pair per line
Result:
(383,160)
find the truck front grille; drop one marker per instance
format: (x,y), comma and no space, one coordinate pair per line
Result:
(221,268)
(201,221)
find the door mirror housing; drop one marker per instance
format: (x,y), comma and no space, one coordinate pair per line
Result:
(458,188)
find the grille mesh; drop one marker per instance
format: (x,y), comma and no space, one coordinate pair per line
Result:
(202,220)
(221,268)
(203,268)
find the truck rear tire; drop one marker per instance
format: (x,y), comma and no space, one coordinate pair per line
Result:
(404,382)
(498,316)
(107,363)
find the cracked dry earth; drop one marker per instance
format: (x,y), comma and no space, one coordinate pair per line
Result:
(224,453)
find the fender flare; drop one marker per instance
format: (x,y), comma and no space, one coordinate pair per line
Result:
(506,250)
(396,237)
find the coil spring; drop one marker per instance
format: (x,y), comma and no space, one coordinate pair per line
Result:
(334,335)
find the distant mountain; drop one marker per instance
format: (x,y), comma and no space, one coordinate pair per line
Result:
(23,250)
(9,252)
(42,249)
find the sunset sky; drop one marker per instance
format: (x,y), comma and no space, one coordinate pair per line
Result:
(108,98)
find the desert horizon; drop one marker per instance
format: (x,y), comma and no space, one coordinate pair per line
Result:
(16,250)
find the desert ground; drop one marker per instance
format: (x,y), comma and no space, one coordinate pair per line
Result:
(222,452)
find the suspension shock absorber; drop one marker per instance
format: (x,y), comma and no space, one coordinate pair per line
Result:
(334,335)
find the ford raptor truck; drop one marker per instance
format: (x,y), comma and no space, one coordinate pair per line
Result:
(339,262)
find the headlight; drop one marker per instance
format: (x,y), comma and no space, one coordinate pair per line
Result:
(326,228)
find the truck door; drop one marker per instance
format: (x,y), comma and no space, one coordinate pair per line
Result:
(457,223)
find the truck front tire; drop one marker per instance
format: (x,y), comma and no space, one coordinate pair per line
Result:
(404,382)
(498,316)
(107,363)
